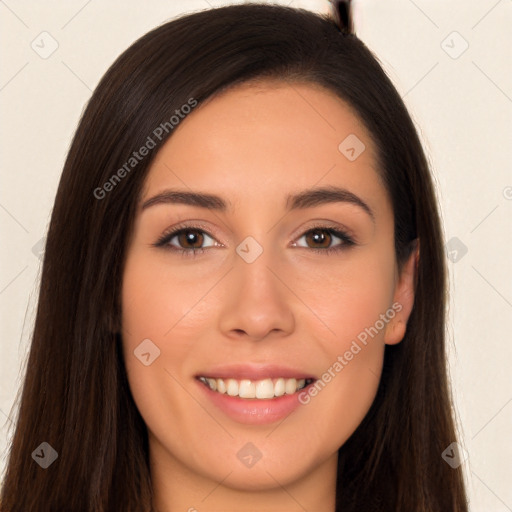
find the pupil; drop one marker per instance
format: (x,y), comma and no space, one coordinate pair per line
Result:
(319,237)
(191,237)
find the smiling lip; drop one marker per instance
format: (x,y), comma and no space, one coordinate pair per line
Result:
(254,372)
(253,411)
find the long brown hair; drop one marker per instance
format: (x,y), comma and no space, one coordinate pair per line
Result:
(75,395)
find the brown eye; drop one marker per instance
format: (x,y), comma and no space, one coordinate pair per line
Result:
(186,240)
(325,240)
(320,238)
(190,236)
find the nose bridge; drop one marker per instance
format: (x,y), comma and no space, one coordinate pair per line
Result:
(257,301)
(255,266)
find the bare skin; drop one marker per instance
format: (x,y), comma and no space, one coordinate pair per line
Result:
(292,305)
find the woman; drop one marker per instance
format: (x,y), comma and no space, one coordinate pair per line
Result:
(292,356)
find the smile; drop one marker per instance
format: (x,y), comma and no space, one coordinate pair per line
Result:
(258,389)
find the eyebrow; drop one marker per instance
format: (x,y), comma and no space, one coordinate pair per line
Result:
(305,199)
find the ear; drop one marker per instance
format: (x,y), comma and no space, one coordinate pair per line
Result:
(403,298)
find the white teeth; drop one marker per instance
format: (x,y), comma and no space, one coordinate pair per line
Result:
(279,387)
(221,385)
(261,389)
(265,389)
(232,387)
(246,389)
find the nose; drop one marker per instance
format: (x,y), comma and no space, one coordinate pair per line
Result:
(257,303)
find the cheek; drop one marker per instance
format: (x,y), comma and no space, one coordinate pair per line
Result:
(350,297)
(161,314)
(354,308)
(156,296)
(342,397)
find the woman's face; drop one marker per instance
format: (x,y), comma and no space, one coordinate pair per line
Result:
(287,287)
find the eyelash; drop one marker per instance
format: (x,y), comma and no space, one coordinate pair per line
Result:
(164,240)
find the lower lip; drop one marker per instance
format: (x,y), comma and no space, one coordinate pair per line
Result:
(254,411)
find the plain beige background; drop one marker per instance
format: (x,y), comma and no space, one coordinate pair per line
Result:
(450,60)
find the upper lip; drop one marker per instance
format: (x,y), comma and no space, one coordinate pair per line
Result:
(254,372)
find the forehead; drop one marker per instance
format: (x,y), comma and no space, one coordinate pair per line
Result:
(266,139)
